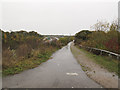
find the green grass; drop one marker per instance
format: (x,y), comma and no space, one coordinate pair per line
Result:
(28,63)
(106,62)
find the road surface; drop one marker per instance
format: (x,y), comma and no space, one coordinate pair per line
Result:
(62,71)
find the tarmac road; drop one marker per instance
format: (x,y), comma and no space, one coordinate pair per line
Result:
(62,71)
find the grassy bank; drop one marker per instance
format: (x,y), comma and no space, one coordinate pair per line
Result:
(106,39)
(23,50)
(29,63)
(106,62)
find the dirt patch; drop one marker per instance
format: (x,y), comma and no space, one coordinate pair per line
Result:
(94,71)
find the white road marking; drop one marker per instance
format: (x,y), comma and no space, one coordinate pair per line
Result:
(72,74)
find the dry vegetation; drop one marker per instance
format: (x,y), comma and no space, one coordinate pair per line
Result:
(23,50)
(106,36)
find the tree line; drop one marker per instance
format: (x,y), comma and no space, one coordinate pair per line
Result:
(105,36)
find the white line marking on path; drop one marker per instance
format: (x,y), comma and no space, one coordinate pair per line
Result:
(72,74)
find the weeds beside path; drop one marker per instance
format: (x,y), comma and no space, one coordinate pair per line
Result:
(28,63)
(96,67)
(22,50)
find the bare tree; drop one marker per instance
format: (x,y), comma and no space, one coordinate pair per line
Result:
(114,25)
(101,26)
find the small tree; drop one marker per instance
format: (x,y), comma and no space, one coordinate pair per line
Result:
(101,26)
(114,25)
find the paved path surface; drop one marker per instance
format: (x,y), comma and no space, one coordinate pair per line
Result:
(62,71)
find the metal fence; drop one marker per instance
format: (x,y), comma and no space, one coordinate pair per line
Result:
(101,52)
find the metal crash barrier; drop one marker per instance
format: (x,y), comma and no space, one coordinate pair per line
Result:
(101,52)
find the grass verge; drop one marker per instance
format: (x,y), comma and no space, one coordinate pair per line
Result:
(106,62)
(28,63)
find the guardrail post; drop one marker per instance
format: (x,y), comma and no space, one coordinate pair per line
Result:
(90,49)
(117,57)
(109,55)
(101,53)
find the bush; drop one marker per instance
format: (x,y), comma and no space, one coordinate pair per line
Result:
(7,58)
(107,40)
(24,50)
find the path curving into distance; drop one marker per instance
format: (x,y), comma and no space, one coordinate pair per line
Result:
(62,71)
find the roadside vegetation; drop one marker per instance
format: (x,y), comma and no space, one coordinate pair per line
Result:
(106,36)
(24,50)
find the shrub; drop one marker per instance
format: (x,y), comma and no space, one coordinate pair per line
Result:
(108,40)
(24,50)
(7,58)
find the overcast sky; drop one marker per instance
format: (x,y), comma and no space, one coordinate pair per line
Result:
(56,16)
